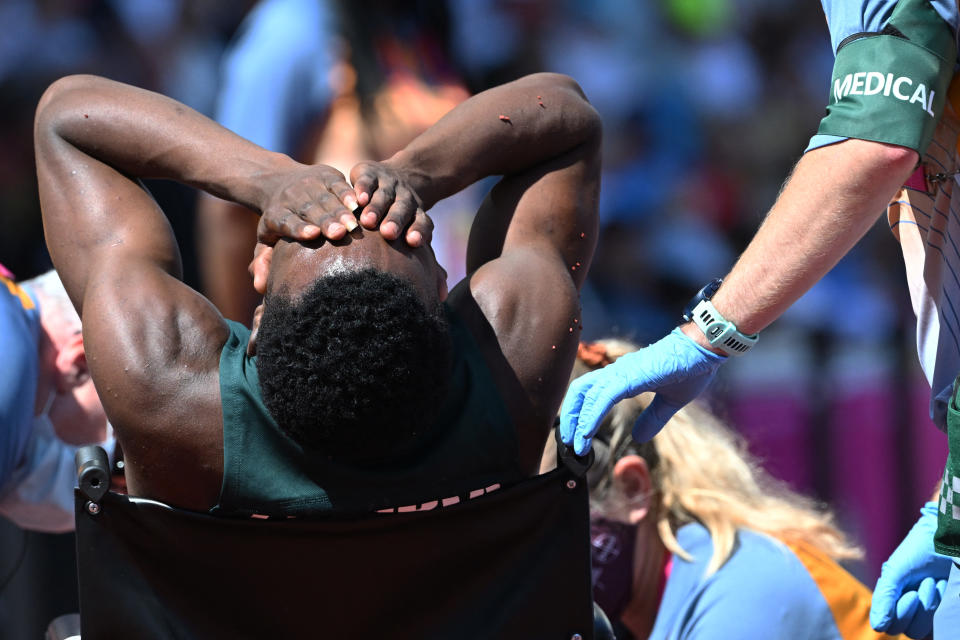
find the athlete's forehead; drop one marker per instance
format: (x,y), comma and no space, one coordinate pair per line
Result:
(296,266)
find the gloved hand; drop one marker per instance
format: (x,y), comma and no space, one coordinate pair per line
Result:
(912,582)
(675,367)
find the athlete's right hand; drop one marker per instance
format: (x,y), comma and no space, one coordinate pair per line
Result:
(675,367)
(912,582)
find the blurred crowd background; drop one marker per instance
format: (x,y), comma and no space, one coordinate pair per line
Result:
(706,105)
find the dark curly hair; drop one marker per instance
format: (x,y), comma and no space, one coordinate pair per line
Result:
(356,367)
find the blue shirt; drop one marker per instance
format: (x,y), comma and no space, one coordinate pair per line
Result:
(763,592)
(276,75)
(846,18)
(19,349)
(37,472)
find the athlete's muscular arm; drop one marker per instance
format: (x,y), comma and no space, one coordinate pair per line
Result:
(95,136)
(152,343)
(533,238)
(836,193)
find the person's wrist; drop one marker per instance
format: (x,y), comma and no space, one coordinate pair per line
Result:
(256,191)
(726,303)
(404,163)
(714,331)
(930,509)
(692,331)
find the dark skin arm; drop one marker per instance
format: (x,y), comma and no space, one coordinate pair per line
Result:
(153,344)
(532,240)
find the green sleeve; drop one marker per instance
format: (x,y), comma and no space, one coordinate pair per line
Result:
(892,86)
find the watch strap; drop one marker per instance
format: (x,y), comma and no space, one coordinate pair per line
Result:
(720,332)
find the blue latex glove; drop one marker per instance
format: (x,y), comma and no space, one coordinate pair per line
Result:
(675,367)
(912,582)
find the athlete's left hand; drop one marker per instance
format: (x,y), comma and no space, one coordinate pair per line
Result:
(390,201)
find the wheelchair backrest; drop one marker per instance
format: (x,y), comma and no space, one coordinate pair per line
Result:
(511,564)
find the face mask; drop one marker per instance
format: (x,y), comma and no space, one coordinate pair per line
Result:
(612,545)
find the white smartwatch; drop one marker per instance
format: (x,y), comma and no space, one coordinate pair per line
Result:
(720,332)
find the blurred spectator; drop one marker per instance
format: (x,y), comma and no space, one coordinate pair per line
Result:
(44,39)
(331,82)
(48,405)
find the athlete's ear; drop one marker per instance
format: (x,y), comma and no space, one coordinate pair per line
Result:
(255,330)
(259,267)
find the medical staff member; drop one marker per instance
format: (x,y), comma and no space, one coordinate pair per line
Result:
(693,540)
(48,404)
(891,121)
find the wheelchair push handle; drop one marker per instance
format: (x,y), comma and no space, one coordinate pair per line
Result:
(93,472)
(577,465)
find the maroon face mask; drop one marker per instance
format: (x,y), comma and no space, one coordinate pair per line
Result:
(612,544)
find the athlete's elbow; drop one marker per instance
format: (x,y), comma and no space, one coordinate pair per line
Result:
(55,105)
(560,83)
(563,94)
(589,125)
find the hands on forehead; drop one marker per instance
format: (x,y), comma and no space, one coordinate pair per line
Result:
(311,202)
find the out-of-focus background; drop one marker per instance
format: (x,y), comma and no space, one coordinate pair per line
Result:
(706,105)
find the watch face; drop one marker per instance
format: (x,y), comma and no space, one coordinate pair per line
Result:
(704,294)
(711,288)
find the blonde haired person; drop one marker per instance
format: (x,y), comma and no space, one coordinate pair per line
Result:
(693,540)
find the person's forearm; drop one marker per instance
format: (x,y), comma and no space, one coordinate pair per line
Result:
(147,135)
(836,193)
(500,131)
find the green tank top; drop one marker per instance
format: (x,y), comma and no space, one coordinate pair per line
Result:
(267,473)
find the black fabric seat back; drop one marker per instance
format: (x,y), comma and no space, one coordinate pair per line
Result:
(514,563)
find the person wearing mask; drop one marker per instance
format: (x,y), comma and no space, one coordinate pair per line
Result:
(692,540)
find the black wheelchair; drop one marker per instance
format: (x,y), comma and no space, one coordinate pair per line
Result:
(514,563)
